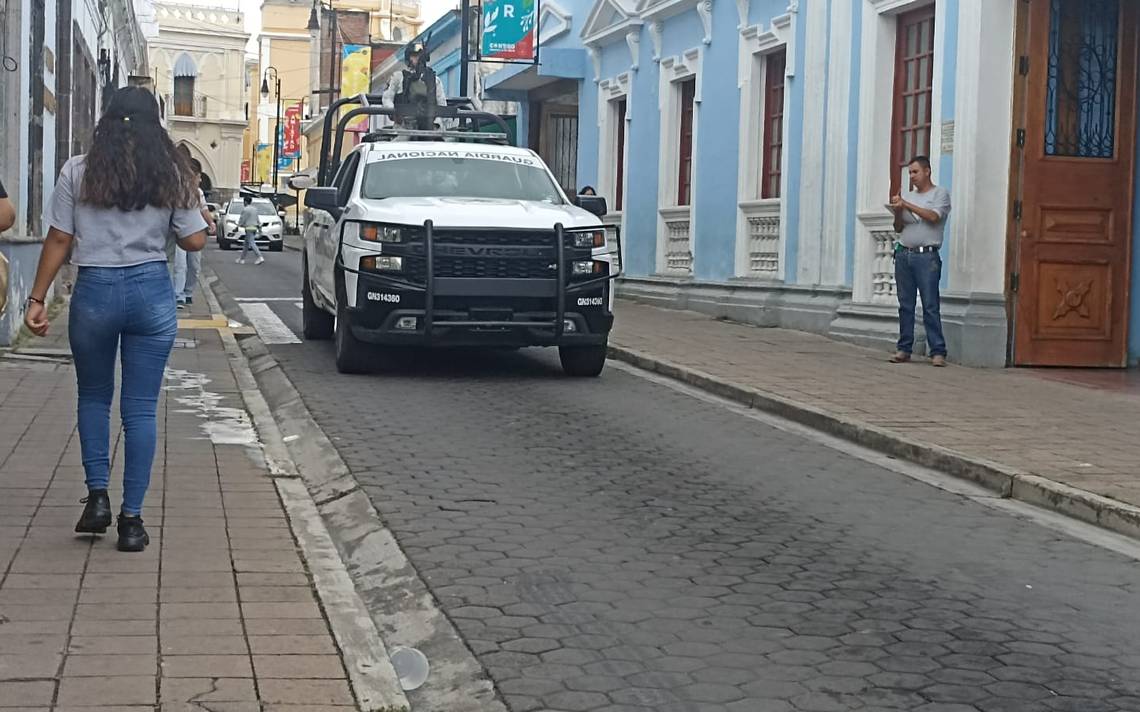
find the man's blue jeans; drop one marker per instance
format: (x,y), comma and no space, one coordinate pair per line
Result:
(919,273)
(132,307)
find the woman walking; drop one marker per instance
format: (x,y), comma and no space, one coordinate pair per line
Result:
(115,209)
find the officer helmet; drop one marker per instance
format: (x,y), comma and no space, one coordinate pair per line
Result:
(416,48)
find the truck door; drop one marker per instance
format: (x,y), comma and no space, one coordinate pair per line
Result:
(328,242)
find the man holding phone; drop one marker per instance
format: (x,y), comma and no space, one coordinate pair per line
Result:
(920,220)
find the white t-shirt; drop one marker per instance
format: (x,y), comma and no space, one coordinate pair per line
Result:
(918,232)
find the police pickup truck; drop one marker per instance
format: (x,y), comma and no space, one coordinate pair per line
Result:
(452,238)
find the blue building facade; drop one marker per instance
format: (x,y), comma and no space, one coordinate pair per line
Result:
(748,149)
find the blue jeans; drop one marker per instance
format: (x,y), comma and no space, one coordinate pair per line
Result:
(134,307)
(249,243)
(187,265)
(919,273)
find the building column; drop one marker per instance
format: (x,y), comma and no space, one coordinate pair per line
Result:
(836,207)
(983,127)
(974,310)
(811,187)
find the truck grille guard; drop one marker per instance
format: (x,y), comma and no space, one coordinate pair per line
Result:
(563,287)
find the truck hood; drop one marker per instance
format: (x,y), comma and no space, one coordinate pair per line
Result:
(474,212)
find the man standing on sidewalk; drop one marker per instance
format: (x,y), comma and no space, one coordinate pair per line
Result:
(920,218)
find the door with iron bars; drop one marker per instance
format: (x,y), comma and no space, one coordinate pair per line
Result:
(1073,222)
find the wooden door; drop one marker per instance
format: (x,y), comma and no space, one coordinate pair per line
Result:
(1072,241)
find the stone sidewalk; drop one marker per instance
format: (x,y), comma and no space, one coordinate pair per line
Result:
(220,611)
(1031,435)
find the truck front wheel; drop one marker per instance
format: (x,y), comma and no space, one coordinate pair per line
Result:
(351,354)
(582,361)
(316,323)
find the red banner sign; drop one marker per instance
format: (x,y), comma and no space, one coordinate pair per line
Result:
(245,171)
(291,145)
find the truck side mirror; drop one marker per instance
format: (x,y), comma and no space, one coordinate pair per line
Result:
(324,198)
(301,181)
(595,204)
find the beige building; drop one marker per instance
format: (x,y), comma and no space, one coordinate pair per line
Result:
(198,63)
(307,61)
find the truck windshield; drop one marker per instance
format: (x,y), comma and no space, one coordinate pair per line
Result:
(459,174)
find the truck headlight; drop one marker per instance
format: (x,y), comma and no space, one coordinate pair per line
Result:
(385,263)
(583,240)
(582,267)
(371,232)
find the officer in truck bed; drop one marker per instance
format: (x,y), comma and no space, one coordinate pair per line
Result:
(413,88)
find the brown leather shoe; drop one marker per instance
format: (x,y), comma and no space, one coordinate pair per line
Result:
(900,357)
(939,361)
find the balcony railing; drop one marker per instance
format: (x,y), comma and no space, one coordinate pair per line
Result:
(192,108)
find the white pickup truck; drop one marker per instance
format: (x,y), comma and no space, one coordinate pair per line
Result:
(446,238)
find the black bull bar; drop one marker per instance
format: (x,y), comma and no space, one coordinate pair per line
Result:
(561,288)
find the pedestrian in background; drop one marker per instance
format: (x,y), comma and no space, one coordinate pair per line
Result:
(194,259)
(7,212)
(250,223)
(117,207)
(7,220)
(187,265)
(920,217)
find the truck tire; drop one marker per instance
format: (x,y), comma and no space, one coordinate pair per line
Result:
(583,361)
(316,323)
(351,354)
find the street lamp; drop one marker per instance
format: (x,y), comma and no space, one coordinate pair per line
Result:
(314,28)
(277,127)
(314,21)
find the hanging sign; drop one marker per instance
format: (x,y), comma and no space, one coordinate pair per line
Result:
(291,147)
(356,77)
(510,30)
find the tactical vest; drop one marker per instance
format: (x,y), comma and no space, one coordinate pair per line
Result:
(418,88)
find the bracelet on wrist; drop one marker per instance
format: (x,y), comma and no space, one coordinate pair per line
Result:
(37,301)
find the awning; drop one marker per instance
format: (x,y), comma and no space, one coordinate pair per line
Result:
(185,67)
(555,64)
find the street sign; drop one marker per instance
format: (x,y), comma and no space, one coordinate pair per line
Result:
(510,28)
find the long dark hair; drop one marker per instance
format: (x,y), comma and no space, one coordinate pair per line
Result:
(132,162)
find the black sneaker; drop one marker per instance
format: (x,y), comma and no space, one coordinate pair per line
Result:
(132,534)
(96,515)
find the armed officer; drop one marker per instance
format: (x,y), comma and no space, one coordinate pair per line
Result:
(411,89)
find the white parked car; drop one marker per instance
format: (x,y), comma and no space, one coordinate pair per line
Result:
(434,242)
(270,235)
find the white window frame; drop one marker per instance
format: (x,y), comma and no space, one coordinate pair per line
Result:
(611,91)
(756,45)
(876,109)
(673,71)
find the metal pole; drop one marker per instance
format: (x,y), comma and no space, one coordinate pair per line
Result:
(464,45)
(276,139)
(334,52)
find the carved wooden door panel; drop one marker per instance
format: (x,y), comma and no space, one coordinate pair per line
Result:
(1073,250)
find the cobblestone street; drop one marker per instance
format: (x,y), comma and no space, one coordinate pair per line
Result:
(618,545)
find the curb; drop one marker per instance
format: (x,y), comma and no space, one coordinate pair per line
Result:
(363,651)
(397,604)
(1007,482)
